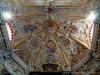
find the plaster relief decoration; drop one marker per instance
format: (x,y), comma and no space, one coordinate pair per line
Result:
(10,31)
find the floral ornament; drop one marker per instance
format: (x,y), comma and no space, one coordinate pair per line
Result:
(65,41)
(70,28)
(29,28)
(24,55)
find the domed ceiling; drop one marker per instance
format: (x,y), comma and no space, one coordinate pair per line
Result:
(58,34)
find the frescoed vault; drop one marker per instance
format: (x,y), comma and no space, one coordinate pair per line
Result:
(64,39)
(65,43)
